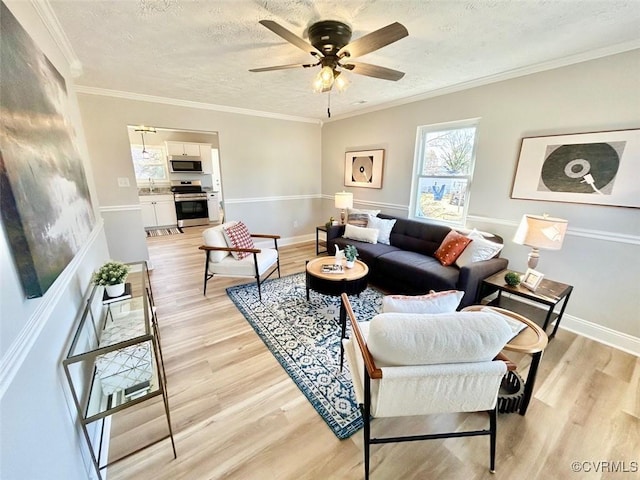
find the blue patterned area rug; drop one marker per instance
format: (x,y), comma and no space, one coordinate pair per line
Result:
(305,338)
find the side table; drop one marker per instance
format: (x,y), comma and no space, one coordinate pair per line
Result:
(549,294)
(319,242)
(532,340)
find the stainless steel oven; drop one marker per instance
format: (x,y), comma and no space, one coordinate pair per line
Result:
(191,204)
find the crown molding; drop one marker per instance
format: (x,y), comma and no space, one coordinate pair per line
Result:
(499,77)
(190,104)
(50,21)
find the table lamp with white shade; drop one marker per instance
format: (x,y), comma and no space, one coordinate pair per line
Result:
(540,232)
(343,200)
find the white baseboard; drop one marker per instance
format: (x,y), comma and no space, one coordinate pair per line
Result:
(621,341)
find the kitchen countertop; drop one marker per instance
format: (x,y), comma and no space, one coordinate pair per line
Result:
(143,192)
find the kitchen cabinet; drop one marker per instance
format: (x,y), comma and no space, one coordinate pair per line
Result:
(183,148)
(158,211)
(201,150)
(114,362)
(213,205)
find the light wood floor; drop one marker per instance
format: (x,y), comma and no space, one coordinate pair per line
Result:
(236,414)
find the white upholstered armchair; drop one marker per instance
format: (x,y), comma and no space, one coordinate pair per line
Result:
(230,252)
(405,364)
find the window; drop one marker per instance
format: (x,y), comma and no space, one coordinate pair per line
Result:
(443,167)
(152,166)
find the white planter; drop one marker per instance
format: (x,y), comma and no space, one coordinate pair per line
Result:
(349,264)
(115,290)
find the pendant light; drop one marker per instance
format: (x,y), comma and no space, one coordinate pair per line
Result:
(142,129)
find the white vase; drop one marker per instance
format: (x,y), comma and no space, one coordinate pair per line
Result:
(349,263)
(115,290)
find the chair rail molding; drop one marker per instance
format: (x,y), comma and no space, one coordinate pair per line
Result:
(24,341)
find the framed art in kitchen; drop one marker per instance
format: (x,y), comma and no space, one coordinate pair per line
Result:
(363,168)
(599,168)
(46,206)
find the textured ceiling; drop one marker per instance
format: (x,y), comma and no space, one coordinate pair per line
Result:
(202,50)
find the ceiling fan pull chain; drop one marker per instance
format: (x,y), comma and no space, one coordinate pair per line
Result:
(329,104)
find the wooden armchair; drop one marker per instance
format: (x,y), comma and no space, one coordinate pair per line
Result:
(238,261)
(421,364)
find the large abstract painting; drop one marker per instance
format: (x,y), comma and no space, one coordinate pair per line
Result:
(45,200)
(599,168)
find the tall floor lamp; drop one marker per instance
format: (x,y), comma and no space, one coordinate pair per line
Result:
(540,231)
(343,201)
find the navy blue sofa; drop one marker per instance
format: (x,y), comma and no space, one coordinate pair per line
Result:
(407,266)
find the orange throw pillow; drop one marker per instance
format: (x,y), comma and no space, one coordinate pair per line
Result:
(451,247)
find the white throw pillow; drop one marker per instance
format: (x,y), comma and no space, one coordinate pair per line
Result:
(479,249)
(426,339)
(214,237)
(368,235)
(384,228)
(436,302)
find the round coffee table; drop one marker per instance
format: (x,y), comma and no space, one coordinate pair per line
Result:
(351,281)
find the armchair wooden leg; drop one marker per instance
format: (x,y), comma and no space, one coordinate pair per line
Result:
(366,418)
(206,274)
(493,427)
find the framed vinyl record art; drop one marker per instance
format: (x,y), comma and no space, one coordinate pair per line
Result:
(363,168)
(600,168)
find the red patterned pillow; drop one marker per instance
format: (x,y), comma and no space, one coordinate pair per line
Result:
(238,236)
(451,247)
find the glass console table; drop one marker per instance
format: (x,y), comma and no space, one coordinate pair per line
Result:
(115,362)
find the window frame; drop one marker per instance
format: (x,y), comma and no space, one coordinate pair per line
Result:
(418,163)
(144,182)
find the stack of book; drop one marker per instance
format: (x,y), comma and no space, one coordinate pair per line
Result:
(331,268)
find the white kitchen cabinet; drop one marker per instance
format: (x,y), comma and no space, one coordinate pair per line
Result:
(184,148)
(158,211)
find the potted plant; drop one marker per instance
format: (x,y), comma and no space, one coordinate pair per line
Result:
(512,279)
(112,275)
(329,223)
(350,253)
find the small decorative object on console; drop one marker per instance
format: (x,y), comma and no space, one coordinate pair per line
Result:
(512,279)
(531,279)
(110,274)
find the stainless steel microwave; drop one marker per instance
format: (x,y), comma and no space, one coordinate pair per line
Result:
(185,164)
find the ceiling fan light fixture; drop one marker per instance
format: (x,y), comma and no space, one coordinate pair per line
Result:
(324,79)
(341,82)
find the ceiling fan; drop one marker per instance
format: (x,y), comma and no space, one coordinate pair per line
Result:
(331,46)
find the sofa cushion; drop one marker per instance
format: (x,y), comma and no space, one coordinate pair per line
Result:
(425,273)
(414,236)
(435,302)
(384,228)
(478,250)
(451,247)
(368,235)
(427,339)
(238,236)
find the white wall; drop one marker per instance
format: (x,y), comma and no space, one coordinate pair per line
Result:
(269,166)
(38,436)
(600,254)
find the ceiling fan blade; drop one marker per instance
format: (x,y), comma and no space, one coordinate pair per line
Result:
(374,71)
(374,40)
(290,37)
(283,67)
